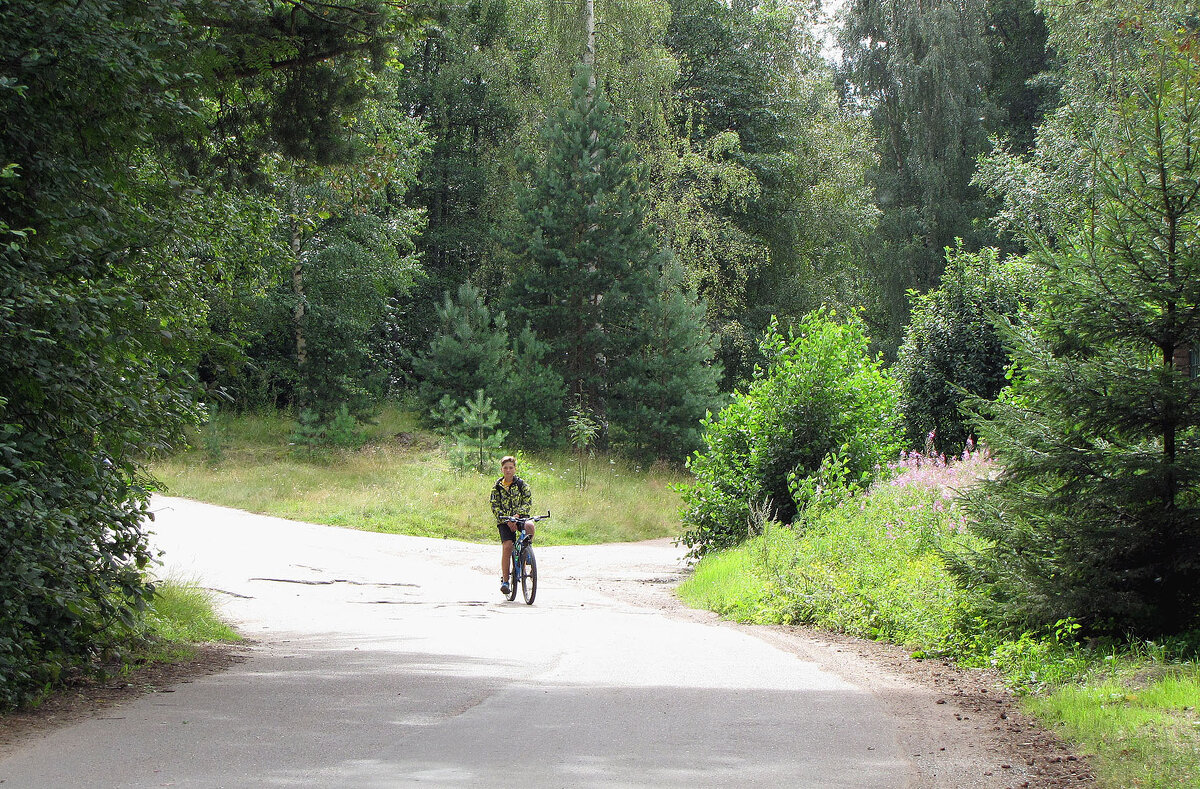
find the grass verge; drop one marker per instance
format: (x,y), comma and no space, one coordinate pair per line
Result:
(180,615)
(401,482)
(1138,719)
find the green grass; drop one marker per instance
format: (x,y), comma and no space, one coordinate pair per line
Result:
(180,616)
(1139,722)
(401,482)
(184,613)
(727,583)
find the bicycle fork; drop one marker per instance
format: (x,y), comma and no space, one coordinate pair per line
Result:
(518,558)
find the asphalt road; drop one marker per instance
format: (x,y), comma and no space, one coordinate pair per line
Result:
(384,661)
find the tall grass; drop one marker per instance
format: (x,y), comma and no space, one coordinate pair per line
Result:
(183,613)
(868,566)
(728,583)
(401,482)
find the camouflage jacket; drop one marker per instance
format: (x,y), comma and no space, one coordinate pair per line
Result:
(514,500)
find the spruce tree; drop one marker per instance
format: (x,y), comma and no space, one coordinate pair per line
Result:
(1096,516)
(668,384)
(469,352)
(588,258)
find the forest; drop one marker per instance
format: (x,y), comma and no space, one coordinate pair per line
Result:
(774,241)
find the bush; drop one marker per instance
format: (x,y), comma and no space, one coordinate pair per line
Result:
(869,565)
(952,347)
(474,442)
(821,395)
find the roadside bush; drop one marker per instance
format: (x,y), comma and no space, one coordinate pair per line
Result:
(952,347)
(821,394)
(875,566)
(869,565)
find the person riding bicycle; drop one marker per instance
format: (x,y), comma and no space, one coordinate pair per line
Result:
(511,496)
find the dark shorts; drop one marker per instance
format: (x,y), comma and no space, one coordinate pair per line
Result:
(506,532)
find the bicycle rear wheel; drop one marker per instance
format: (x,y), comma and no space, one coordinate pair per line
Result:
(529,576)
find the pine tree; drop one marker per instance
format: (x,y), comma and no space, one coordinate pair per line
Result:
(477,439)
(588,256)
(532,401)
(666,386)
(469,353)
(473,351)
(1096,516)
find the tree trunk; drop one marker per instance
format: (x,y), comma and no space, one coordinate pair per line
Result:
(589,50)
(298,290)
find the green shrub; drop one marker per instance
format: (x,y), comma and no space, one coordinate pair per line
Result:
(213,436)
(952,347)
(820,394)
(867,563)
(532,397)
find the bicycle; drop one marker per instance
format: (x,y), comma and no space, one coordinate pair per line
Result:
(524,565)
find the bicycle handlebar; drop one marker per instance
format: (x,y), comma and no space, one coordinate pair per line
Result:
(519,519)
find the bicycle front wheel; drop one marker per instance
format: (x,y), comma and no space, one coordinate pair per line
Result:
(514,576)
(529,577)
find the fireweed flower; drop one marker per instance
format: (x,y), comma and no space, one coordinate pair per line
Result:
(944,477)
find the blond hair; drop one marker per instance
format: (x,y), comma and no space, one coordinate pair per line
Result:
(507,459)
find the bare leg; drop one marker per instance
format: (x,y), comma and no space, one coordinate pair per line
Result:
(506,559)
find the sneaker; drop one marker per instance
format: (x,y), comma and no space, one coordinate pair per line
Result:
(504,587)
